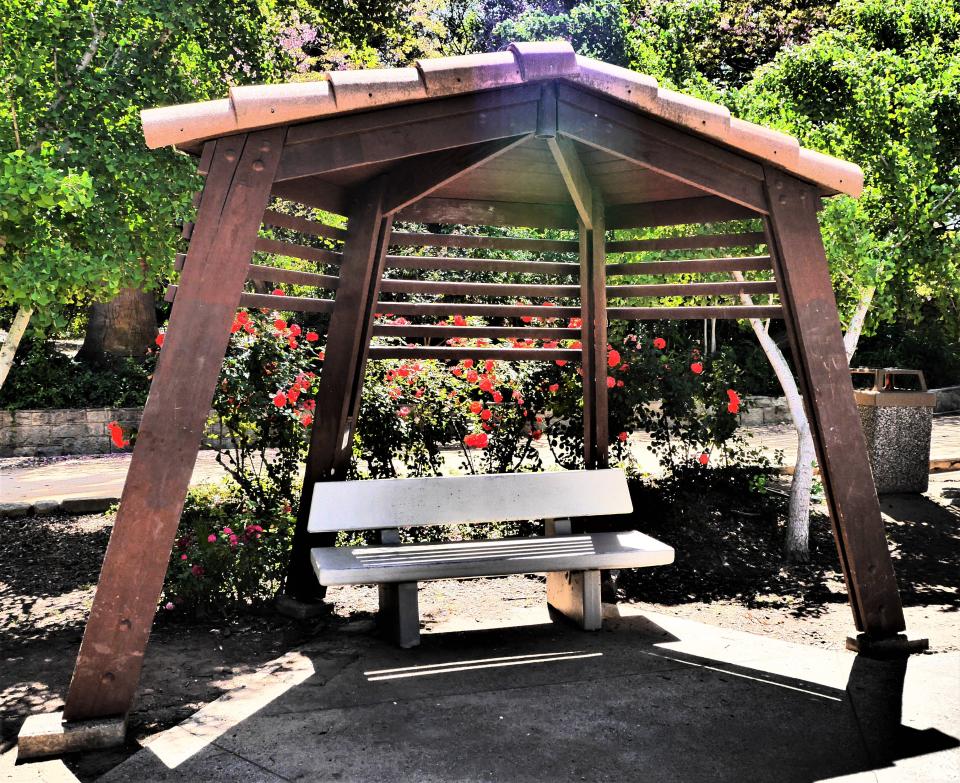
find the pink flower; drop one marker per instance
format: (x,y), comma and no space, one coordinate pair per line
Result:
(211,538)
(403,412)
(168,606)
(227,531)
(183,557)
(197,570)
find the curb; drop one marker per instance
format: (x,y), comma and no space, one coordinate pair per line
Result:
(46,508)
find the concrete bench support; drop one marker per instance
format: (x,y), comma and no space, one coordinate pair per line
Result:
(576,595)
(399,617)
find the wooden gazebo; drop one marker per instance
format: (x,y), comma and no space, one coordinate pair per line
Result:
(535,137)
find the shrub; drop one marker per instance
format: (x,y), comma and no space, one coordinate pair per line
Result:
(226,553)
(42,377)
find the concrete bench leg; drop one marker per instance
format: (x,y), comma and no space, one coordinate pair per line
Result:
(399,616)
(576,595)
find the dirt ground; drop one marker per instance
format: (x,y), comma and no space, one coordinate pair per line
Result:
(49,566)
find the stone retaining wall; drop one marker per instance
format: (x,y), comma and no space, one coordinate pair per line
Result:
(53,432)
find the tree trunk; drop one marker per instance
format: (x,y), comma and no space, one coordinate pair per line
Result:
(9,349)
(797,544)
(124,326)
(852,337)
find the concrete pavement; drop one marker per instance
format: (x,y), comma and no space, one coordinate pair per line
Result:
(651,697)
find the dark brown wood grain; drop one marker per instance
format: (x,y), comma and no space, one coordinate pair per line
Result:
(677,212)
(476,332)
(304,226)
(725,288)
(234,197)
(304,252)
(416,178)
(444,309)
(698,242)
(468,241)
(817,346)
(688,313)
(487,212)
(348,338)
(466,352)
(410,138)
(601,124)
(692,266)
(474,265)
(442,287)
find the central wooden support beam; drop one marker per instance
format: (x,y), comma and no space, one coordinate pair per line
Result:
(574,177)
(593,301)
(234,197)
(816,341)
(341,381)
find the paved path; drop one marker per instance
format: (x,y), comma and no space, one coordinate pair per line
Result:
(103,476)
(652,697)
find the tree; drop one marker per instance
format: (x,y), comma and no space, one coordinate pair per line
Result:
(73,78)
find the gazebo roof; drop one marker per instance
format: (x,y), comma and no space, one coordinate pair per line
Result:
(342,92)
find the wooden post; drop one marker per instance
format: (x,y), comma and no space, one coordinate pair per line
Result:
(813,326)
(593,303)
(341,380)
(231,207)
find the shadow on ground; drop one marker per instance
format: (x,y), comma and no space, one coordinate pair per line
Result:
(545,702)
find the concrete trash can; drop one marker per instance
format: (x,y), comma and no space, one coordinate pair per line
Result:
(897,421)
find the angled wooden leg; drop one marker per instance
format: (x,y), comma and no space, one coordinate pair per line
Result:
(814,328)
(231,208)
(593,306)
(341,381)
(399,616)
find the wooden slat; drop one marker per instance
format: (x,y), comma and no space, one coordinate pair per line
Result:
(724,288)
(303,225)
(442,287)
(699,242)
(304,252)
(294,304)
(416,178)
(483,265)
(476,332)
(492,310)
(112,652)
(407,239)
(480,212)
(466,352)
(416,137)
(272,274)
(314,193)
(692,313)
(677,212)
(692,266)
(817,348)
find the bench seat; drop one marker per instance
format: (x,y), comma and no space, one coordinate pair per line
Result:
(493,557)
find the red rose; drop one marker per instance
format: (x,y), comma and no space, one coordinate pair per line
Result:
(659,343)
(613,358)
(696,368)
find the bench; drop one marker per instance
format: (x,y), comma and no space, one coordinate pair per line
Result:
(572,562)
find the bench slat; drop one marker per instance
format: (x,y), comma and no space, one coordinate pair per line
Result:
(498,557)
(384,503)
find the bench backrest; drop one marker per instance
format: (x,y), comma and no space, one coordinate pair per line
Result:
(388,503)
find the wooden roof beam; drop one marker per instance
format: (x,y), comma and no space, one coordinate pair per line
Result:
(407,131)
(414,179)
